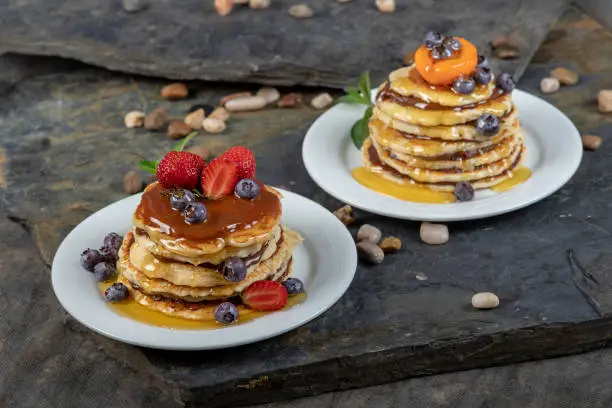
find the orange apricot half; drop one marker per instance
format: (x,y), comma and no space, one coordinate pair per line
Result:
(445,71)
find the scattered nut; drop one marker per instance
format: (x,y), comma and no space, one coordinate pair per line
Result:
(421,276)
(220,113)
(370,252)
(132,182)
(224,7)
(385,6)
(200,151)
(434,234)
(229,97)
(259,4)
(370,233)
(206,108)
(604,100)
(132,6)
(134,119)
(506,51)
(565,76)
(178,129)
(485,300)
(390,244)
(270,94)
(213,125)
(549,85)
(300,11)
(591,142)
(175,91)
(194,119)
(291,100)
(248,103)
(499,41)
(156,119)
(322,101)
(345,214)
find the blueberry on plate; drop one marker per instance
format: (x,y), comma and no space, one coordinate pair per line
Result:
(110,254)
(195,213)
(464,191)
(247,188)
(487,125)
(104,271)
(226,313)
(90,258)
(116,292)
(433,39)
(294,286)
(482,75)
(180,198)
(113,240)
(506,82)
(482,61)
(234,269)
(464,85)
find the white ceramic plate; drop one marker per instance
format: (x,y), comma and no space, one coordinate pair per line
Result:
(554,151)
(325,262)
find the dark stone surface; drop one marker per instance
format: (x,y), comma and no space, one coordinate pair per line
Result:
(64,151)
(188,40)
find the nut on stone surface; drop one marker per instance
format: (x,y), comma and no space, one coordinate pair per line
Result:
(134,119)
(506,51)
(259,4)
(604,100)
(235,95)
(195,118)
(385,6)
(199,150)
(549,85)
(213,125)
(322,101)
(175,91)
(565,76)
(291,100)
(270,94)
(499,40)
(245,104)
(370,233)
(485,300)
(434,234)
(178,129)
(132,182)
(301,11)
(220,113)
(132,6)
(591,142)
(390,244)
(345,214)
(156,119)
(224,7)
(370,252)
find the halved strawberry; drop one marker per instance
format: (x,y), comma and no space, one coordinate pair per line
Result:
(219,178)
(244,159)
(265,295)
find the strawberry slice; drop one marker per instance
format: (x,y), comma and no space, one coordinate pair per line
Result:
(265,295)
(244,159)
(219,178)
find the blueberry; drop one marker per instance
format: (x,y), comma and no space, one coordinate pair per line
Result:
(234,269)
(226,313)
(482,75)
(433,39)
(180,198)
(464,85)
(487,125)
(482,61)
(104,271)
(464,191)
(294,286)
(195,213)
(208,109)
(506,82)
(113,240)
(247,188)
(452,44)
(116,292)
(90,258)
(439,53)
(110,255)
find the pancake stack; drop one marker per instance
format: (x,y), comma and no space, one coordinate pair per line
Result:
(176,268)
(426,135)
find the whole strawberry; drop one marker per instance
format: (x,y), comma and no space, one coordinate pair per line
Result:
(244,159)
(180,169)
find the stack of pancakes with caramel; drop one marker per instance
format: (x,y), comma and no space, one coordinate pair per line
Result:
(175,268)
(426,135)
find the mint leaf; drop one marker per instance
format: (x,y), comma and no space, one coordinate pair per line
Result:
(182,143)
(148,166)
(364,86)
(351,99)
(359,131)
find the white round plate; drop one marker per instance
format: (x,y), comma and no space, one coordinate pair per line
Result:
(554,151)
(325,262)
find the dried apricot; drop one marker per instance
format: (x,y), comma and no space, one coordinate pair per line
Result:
(445,71)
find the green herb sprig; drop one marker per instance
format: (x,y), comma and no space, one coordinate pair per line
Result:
(150,166)
(362,96)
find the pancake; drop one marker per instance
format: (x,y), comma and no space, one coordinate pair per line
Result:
(231,222)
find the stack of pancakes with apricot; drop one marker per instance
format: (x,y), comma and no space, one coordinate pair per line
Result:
(445,121)
(213,253)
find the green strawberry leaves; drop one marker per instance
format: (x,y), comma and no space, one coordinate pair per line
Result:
(150,166)
(361,96)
